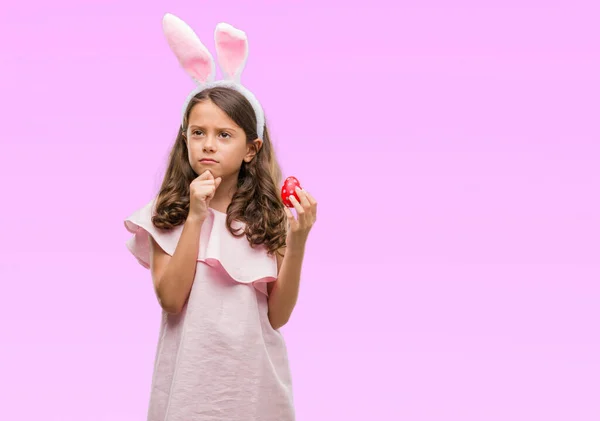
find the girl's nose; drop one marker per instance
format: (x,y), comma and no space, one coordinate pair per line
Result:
(209,144)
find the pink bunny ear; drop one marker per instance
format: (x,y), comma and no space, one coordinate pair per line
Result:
(232,50)
(193,56)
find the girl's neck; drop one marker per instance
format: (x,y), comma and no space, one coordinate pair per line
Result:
(224,194)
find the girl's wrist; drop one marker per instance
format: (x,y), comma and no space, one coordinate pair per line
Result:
(195,219)
(295,247)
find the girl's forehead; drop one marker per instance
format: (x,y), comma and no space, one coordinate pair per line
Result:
(208,112)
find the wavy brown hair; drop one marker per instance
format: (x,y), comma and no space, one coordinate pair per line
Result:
(256,201)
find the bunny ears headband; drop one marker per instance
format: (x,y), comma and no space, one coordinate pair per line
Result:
(196,60)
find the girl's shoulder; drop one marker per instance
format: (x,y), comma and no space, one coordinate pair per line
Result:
(139,223)
(218,247)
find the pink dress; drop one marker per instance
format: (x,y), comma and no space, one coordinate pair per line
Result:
(219,359)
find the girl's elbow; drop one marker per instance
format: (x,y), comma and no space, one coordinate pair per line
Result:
(278,322)
(277,326)
(171,309)
(169,304)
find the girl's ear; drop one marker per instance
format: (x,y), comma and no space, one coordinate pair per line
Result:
(184,138)
(192,55)
(252,149)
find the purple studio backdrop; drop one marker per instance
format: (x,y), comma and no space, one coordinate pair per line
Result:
(454,148)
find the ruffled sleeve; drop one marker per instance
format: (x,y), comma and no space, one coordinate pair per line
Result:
(218,247)
(140,225)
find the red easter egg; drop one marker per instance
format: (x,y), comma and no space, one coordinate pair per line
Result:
(289,189)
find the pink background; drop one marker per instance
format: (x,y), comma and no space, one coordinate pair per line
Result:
(455,152)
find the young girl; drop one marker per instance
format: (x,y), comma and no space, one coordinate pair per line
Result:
(224,253)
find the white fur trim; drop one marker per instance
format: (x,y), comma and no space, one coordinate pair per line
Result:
(185,44)
(231,30)
(238,34)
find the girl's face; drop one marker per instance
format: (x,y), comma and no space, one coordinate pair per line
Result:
(215,142)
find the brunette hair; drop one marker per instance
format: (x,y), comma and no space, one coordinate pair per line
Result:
(256,201)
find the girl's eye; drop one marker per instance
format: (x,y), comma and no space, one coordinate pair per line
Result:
(225,135)
(197,132)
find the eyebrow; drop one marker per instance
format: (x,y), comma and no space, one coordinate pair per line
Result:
(198,126)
